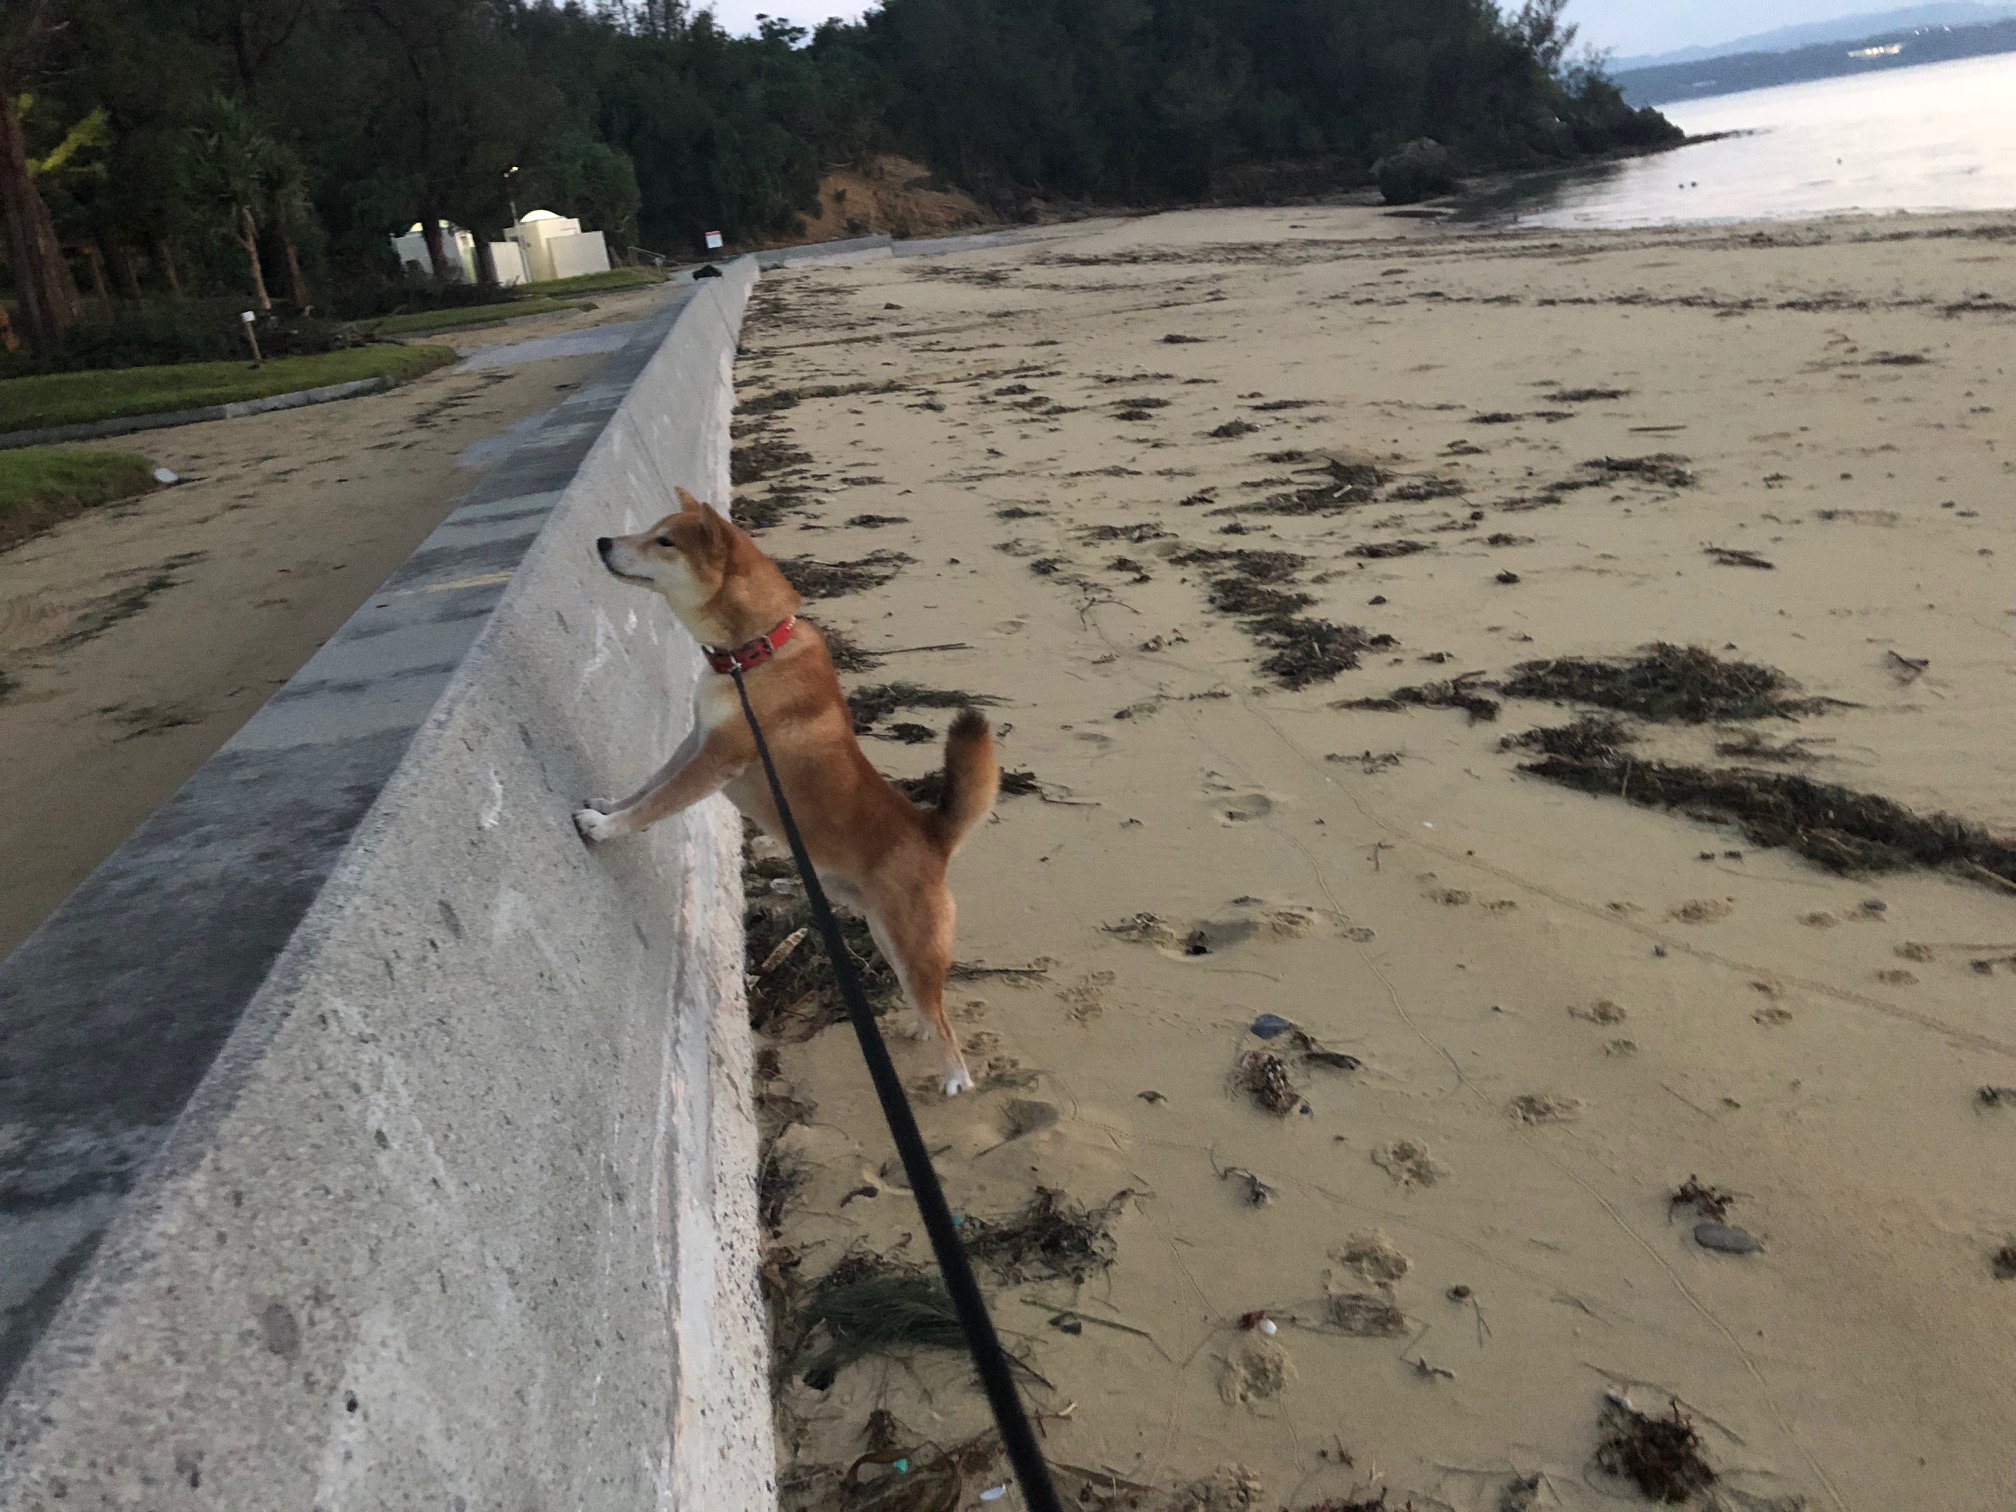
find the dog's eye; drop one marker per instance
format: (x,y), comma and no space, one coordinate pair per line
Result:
(666,542)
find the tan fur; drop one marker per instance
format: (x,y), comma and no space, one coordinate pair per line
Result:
(874,849)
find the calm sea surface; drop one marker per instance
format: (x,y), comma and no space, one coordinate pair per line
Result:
(1942,137)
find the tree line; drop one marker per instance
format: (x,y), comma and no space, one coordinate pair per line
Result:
(268,149)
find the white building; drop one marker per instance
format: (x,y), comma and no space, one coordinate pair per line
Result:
(555,246)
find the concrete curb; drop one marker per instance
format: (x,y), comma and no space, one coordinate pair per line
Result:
(369,1141)
(126,425)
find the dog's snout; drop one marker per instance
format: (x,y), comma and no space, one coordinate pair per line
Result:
(603,545)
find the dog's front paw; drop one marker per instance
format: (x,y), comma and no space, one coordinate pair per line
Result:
(958,1081)
(594,825)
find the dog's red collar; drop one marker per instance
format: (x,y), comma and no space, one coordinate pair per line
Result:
(751,654)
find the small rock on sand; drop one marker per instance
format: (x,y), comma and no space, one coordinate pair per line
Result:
(1726,1239)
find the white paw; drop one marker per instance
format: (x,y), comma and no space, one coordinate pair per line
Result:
(958,1081)
(594,825)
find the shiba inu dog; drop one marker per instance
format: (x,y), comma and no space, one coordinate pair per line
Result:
(876,851)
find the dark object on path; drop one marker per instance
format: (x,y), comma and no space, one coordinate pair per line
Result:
(1050,1239)
(822,580)
(1666,684)
(1660,1456)
(1508,577)
(1265,1076)
(1726,1239)
(707,270)
(1710,1202)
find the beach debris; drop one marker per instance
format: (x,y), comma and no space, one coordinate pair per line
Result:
(1907,669)
(779,1177)
(876,522)
(1836,827)
(2003,1262)
(1258,1192)
(867,1305)
(1665,684)
(1710,1202)
(1265,1076)
(792,996)
(1229,1488)
(1364,1315)
(1726,1239)
(1021,1117)
(823,580)
(1585,395)
(1234,428)
(1661,1456)
(1996,1097)
(1269,1026)
(1508,577)
(1752,745)
(1375,551)
(1051,1238)
(1152,1097)
(930,788)
(1731,556)
(1521,1494)
(872,704)
(1409,1163)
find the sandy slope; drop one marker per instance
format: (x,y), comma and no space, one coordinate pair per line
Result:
(141,636)
(1452,923)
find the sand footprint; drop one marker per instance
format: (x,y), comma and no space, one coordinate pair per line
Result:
(1260,1372)
(1409,1163)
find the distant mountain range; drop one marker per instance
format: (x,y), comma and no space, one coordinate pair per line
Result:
(1668,83)
(1841,29)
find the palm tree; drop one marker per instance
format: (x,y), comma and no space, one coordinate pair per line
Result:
(229,164)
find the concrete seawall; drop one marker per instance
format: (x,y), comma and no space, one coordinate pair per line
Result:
(365,1140)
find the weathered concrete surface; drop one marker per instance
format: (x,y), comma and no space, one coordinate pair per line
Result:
(365,1140)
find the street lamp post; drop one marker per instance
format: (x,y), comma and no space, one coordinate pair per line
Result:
(511,193)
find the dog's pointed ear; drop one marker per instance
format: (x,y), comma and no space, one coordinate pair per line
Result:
(714,527)
(687,503)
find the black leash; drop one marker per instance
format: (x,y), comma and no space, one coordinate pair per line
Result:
(989,1359)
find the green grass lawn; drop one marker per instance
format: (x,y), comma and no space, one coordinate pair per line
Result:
(441,320)
(588,283)
(40,485)
(107,394)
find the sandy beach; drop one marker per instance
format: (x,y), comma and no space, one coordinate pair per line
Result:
(1510,1019)
(137,638)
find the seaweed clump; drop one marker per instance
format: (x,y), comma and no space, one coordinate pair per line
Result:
(871,705)
(868,1306)
(823,580)
(1835,827)
(1050,1239)
(1666,684)
(791,990)
(1660,1456)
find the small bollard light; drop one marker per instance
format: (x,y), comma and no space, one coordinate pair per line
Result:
(252,335)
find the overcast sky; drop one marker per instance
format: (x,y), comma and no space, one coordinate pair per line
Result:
(1623,26)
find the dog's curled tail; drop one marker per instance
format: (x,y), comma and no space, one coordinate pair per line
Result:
(972,779)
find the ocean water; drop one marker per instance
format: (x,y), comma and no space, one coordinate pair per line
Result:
(1942,137)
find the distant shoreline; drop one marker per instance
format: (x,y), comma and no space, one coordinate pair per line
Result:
(1741,73)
